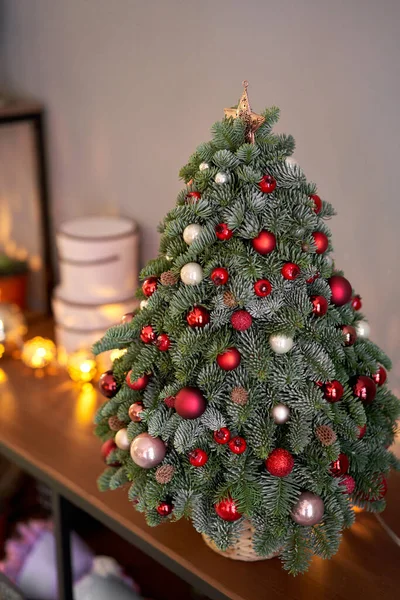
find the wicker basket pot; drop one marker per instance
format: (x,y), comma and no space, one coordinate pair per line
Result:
(242,549)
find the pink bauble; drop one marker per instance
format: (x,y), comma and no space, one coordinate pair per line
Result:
(190,403)
(147,451)
(308,510)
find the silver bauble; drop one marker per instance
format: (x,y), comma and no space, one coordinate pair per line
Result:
(221,178)
(121,439)
(204,166)
(363,329)
(143,304)
(280,343)
(308,510)
(192,274)
(280,414)
(147,451)
(191,232)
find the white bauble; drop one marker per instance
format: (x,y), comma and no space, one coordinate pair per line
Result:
(329,260)
(363,329)
(121,439)
(280,413)
(143,304)
(280,343)
(221,178)
(192,274)
(191,232)
(204,166)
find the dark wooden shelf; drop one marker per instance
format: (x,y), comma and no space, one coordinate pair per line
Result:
(47,429)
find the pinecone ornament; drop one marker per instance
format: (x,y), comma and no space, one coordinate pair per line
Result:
(168,278)
(115,424)
(229,300)
(164,474)
(239,396)
(326,435)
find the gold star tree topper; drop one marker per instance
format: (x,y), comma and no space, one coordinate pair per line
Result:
(243,111)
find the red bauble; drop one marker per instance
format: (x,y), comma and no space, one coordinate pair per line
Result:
(127,318)
(365,389)
(340,466)
(321,242)
(198,317)
(194,196)
(147,335)
(320,305)
(237,445)
(229,360)
(163,342)
(198,457)
(170,401)
(349,484)
(165,508)
(383,488)
(222,436)
(280,462)
(265,242)
(241,320)
(107,384)
(356,303)
(349,334)
(223,232)
(106,448)
(262,288)
(149,286)
(313,277)
(267,184)
(190,403)
(333,391)
(227,510)
(317,203)
(373,497)
(290,271)
(380,376)
(219,276)
(362,430)
(138,384)
(340,289)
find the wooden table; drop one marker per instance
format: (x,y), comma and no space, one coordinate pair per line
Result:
(46,427)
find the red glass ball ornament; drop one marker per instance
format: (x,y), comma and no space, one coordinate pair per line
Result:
(147,335)
(107,384)
(163,342)
(264,243)
(267,184)
(190,403)
(222,436)
(170,401)
(365,389)
(356,303)
(219,276)
(320,305)
(198,457)
(223,232)
(198,317)
(340,289)
(237,445)
(321,242)
(349,334)
(362,430)
(380,376)
(373,497)
(149,286)
(227,510)
(333,391)
(106,448)
(241,320)
(290,271)
(138,384)
(340,466)
(165,508)
(127,318)
(348,483)
(317,203)
(229,360)
(262,288)
(280,462)
(313,277)
(194,196)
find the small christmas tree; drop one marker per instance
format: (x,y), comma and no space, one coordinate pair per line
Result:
(249,393)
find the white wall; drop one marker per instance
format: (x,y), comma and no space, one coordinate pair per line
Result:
(132,88)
